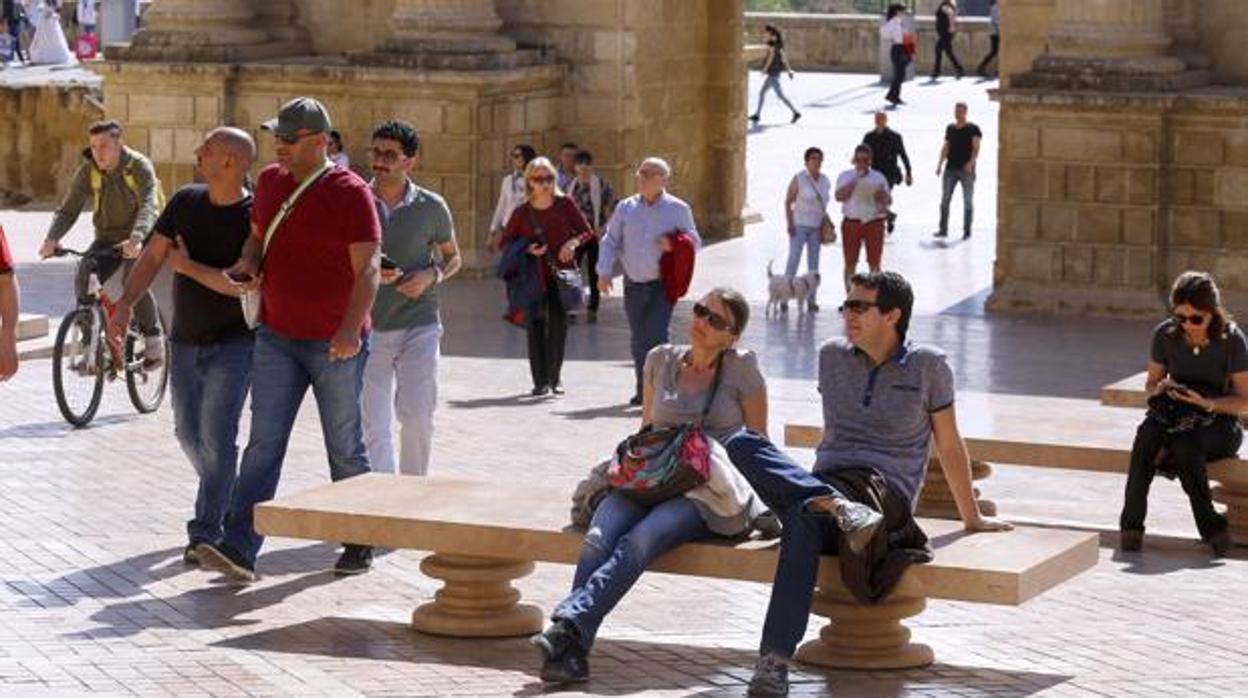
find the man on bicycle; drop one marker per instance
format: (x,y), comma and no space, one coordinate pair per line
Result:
(8,312)
(121,185)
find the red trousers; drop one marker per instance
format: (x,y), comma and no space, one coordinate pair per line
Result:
(854,234)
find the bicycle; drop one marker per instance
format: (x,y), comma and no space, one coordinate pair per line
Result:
(82,357)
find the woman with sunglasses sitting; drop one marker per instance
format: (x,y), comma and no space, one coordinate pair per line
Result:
(625,536)
(551,227)
(1198,383)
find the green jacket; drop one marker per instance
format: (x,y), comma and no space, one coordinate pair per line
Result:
(128,199)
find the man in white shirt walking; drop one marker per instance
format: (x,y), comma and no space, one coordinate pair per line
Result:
(864,196)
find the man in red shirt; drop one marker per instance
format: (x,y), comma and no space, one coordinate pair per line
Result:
(8,312)
(313,254)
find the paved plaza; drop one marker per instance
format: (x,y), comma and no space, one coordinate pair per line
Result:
(94,597)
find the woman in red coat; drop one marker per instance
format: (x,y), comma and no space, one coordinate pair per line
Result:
(554,227)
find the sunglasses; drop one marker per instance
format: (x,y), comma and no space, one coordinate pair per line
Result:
(857,307)
(386,155)
(1193,320)
(293,138)
(546,179)
(715,321)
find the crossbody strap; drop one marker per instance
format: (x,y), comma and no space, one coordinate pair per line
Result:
(815,187)
(289,204)
(710,398)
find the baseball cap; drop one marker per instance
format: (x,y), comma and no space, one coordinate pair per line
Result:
(299,114)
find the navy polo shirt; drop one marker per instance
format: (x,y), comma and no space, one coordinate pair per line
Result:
(880,416)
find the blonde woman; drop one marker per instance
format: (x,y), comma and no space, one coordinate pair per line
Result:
(551,228)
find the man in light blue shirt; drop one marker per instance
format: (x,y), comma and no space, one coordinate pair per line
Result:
(636,238)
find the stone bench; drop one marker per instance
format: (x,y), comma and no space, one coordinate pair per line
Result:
(484,535)
(1061,433)
(1128,392)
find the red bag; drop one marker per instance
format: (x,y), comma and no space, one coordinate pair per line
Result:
(86,47)
(910,43)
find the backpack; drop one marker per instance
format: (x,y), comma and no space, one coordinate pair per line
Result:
(132,182)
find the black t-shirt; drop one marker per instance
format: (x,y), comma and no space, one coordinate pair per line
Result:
(943,26)
(886,147)
(778,61)
(1206,372)
(214,236)
(959,139)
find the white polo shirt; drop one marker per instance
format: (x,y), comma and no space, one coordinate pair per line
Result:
(861,205)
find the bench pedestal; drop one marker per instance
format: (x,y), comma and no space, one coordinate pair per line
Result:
(1236,501)
(866,637)
(936,499)
(477,599)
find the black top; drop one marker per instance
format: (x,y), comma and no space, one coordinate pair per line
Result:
(214,236)
(942,21)
(959,139)
(778,60)
(1206,372)
(886,147)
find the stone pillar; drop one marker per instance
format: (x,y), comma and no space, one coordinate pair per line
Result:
(225,31)
(447,34)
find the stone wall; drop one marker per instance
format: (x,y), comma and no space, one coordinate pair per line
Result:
(851,43)
(43,136)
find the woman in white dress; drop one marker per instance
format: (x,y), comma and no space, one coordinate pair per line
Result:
(49,46)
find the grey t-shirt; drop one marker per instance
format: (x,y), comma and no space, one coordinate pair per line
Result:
(880,416)
(1206,372)
(739,378)
(409,235)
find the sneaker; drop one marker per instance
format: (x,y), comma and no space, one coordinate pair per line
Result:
(1130,541)
(565,658)
(190,554)
(966,235)
(796,115)
(1220,543)
(153,351)
(635,401)
(754,118)
(771,676)
(355,559)
(857,521)
(941,234)
(225,560)
(557,389)
(539,390)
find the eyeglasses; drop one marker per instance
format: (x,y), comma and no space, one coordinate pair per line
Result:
(517,156)
(293,138)
(857,307)
(386,155)
(715,321)
(544,179)
(1194,320)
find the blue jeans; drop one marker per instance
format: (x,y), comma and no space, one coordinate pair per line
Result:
(283,369)
(785,486)
(623,539)
(772,83)
(208,384)
(803,237)
(951,179)
(649,315)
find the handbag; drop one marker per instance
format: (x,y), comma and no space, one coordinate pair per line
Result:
(567,281)
(827,229)
(250,300)
(655,465)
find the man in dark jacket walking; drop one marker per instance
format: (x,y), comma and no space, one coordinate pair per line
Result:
(886,147)
(946,27)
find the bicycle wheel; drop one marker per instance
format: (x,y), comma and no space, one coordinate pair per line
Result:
(146,384)
(78,366)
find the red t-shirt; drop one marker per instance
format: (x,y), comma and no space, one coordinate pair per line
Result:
(6,259)
(560,223)
(307,268)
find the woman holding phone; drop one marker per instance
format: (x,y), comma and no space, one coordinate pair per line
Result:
(1198,383)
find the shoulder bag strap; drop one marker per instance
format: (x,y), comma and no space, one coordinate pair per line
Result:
(289,204)
(710,398)
(814,186)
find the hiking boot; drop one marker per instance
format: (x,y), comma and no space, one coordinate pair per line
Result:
(1130,541)
(355,559)
(1220,543)
(565,659)
(857,521)
(771,676)
(227,561)
(153,351)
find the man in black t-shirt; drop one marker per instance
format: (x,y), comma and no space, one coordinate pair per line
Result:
(199,234)
(886,146)
(946,27)
(957,158)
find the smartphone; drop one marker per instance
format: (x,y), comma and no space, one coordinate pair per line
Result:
(238,278)
(388,264)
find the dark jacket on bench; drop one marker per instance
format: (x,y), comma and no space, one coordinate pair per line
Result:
(871,574)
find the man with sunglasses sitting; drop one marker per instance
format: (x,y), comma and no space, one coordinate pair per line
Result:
(315,234)
(885,399)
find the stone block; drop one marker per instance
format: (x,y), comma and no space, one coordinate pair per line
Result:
(1198,148)
(1231,188)
(1237,147)
(1139,267)
(1180,184)
(1026,181)
(1235,230)
(1035,262)
(1099,224)
(1231,271)
(608,46)
(599,77)
(1138,226)
(160,147)
(1142,186)
(458,192)
(1111,185)
(1057,223)
(600,112)
(457,119)
(1081,183)
(446,155)
(1055,176)
(1109,266)
(1081,144)
(541,113)
(1191,227)
(162,110)
(118,106)
(208,112)
(1140,148)
(185,141)
(1023,142)
(508,118)
(1203,187)
(1077,264)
